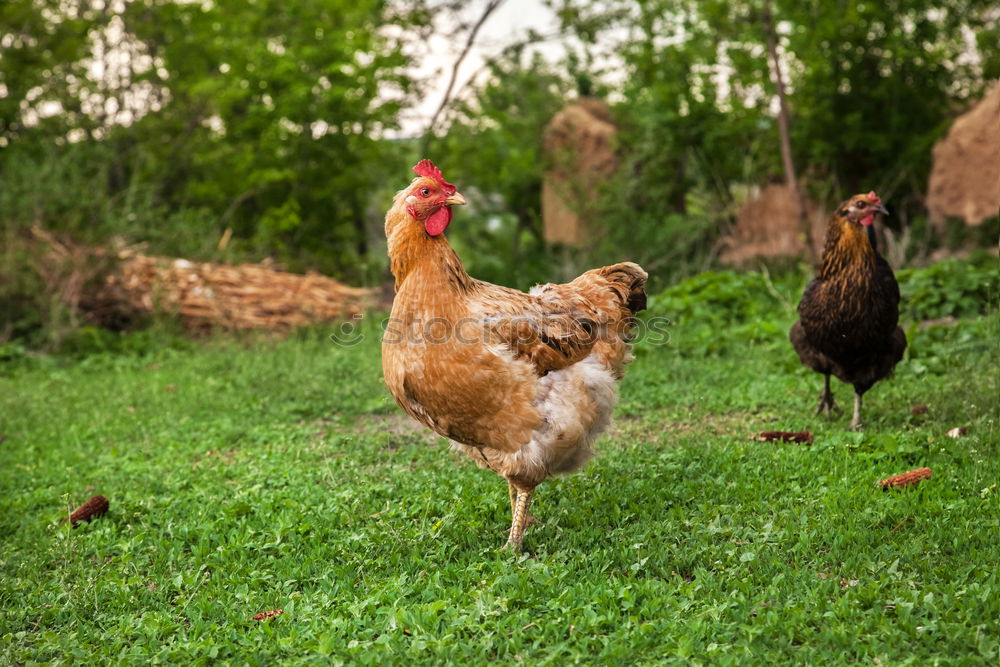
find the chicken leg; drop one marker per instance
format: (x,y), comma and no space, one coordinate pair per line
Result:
(531,520)
(856,419)
(519,517)
(827,405)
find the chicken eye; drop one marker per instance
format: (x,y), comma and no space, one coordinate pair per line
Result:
(862,204)
(425,191)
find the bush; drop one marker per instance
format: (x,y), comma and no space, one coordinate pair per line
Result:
(950,288)
(715,312)
(719,311)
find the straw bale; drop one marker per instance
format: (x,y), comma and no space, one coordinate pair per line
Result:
(579,141)
(113,287)
(965,178)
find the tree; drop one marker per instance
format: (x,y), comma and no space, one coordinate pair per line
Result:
(693,122)
(493,144)
(877,84)
(39,60)
(266,118)
(273,118)
(870,87)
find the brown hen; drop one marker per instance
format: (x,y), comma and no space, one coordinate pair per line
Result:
(849,312)
(521,383)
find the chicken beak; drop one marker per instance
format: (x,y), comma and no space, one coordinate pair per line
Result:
(882,209)
(455,200)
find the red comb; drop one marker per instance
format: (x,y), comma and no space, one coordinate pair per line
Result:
(872,197)
(427,168)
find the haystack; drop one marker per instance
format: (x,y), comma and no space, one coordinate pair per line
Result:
(115,287)
(248,296)
(769,226)
(965,178)
(579,142)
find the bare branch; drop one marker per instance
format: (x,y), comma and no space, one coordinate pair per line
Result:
(491,6)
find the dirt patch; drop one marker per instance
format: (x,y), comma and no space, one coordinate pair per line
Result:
(396,426)
(395,430)
(659,428)
(394,423)
(965,178)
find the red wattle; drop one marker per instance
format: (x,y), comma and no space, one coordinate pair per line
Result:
(867,220)
(438,221)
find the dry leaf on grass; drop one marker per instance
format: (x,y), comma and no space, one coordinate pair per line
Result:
(268,615)
(91,509)
(786,436)
(906,478)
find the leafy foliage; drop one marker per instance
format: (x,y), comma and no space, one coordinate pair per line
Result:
(871,87)
(950,288)
(877,82)
(39,58)
(275,109)
(235,131)
(717,312)
(260,117)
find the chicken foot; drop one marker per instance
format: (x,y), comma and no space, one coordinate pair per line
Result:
(519,519)
(827,405)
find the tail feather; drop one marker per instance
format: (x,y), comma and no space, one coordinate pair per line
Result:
(636,300)
(633,278)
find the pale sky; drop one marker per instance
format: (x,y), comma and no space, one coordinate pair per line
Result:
(508,23)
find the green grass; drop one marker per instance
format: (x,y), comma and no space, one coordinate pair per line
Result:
(251,476)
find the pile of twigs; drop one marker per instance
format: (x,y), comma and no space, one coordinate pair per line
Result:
(249,296)
(203,295)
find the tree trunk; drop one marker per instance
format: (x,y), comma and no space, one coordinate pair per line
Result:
(360,231)
(783,124)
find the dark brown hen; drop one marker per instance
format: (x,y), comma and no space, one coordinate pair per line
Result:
(849,313)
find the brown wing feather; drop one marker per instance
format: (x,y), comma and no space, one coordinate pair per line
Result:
(559,325)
